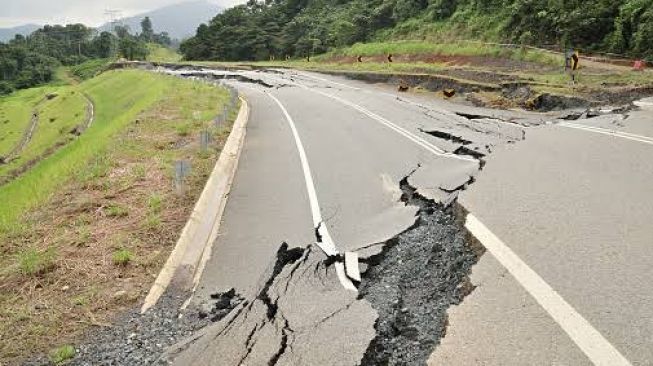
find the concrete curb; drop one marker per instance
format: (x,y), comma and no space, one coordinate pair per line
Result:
(187,260)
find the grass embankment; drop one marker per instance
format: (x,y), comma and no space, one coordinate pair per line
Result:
(160,53)
(474,64)
(89,69)
(459,48)
(84,232)
(15,115)
(57,122)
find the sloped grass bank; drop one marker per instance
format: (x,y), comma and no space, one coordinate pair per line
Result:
(93,223)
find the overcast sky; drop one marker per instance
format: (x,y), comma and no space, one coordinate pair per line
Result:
(89,12)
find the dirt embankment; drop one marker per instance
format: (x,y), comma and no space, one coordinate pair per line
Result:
(503,82)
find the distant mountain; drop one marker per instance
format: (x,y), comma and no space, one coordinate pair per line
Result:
(179,20)
(8,33)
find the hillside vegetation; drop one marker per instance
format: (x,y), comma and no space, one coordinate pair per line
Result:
(298,28)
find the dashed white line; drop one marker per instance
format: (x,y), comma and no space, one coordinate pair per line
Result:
(598,349)
(614,133)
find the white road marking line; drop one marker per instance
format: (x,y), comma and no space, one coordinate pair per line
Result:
(586,337)
(416,139)
(603,131)
(327,244)
(328,81)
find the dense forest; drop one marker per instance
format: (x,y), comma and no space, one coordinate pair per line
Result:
(32,60)
(279,28)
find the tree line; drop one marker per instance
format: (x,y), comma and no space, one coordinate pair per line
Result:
(27,61)
(259,30)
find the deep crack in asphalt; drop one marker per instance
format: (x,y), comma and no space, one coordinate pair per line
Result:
(415,279)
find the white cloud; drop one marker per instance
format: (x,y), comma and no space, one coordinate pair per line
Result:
(90,12)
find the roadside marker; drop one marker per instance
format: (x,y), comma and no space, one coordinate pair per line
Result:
(598,349)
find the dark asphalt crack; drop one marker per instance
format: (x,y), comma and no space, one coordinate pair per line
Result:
(462,150)
(447,136)
(419,274)
(238,77)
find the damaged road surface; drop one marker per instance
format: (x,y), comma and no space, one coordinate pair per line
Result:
(302,316)
(378,176)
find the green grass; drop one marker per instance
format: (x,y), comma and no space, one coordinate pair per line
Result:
(455,48)
(90,69)
(15,115)
(62,354)
(32,262)
(122,257)
(117,211)
(160,53)
(119,97)
(57,118)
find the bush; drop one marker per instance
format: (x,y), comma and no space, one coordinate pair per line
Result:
(6,88)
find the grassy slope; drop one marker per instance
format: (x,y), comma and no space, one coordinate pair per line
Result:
(448,49)
(119,97)
(159,53)
(119,202)
(89,68)
(15,115)
(57,117)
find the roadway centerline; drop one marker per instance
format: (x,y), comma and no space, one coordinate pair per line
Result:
(598,349)
(604,131)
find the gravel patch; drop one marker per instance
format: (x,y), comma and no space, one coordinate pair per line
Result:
(136,339)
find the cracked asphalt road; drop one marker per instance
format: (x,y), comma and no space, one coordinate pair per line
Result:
(361,141)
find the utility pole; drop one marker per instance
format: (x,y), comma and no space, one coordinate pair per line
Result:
(115,18)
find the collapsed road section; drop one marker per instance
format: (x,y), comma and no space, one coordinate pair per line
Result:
(302,316)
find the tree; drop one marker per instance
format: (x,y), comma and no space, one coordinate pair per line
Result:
(147,32)
(132,48)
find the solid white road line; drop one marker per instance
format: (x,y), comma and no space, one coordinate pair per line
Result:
(416,139)
(328,81)
(327,244)
(603,131)
(586,337)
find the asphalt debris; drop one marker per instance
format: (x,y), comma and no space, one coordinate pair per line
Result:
(414,280)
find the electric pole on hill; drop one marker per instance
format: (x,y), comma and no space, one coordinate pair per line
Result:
(115,18)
